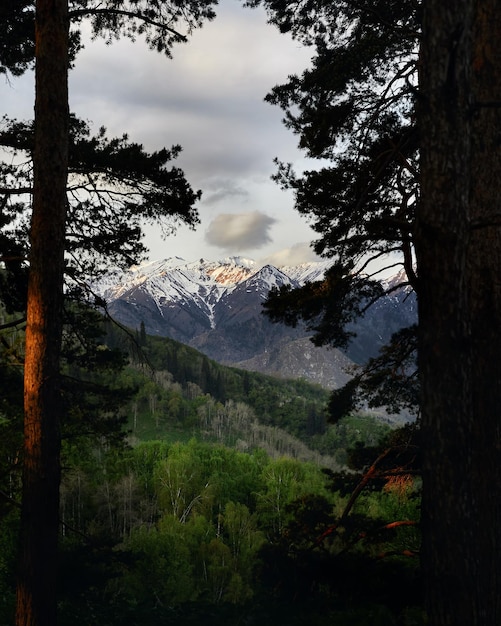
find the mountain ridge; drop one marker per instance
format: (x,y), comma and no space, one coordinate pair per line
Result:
(216,307)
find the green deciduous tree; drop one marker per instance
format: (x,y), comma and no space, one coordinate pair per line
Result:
(181,483)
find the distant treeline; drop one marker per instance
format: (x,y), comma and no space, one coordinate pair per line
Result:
(181,391)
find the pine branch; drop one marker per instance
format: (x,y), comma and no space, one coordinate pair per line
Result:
(129,14)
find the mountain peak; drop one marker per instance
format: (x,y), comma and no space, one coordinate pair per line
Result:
(216,307)
(176,280)
(240,261)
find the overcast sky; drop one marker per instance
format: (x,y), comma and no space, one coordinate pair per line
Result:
(208,99)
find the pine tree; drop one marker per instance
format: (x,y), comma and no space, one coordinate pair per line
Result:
(354,111)
(142,334)
(36,589)
(459,256)
(49,240)
(415,168)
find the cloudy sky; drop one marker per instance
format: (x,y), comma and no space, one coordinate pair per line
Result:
(208,99)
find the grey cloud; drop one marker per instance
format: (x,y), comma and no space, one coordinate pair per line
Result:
(242,231)
(222,189)
(209,98)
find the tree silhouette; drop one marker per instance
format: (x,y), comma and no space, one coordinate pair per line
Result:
(158,22)
(414,169)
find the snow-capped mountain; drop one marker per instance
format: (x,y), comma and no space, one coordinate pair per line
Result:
(208,290)
(216,307)
(306,272)
(175,280)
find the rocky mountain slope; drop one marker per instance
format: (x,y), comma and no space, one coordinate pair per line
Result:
(216,307)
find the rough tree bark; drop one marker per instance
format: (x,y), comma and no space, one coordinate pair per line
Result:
(459,258)
(36,590)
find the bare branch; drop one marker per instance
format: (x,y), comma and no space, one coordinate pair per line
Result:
(13,324)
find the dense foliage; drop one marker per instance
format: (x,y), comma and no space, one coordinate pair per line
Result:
(217,506)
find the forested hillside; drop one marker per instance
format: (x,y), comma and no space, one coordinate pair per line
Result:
(192,491)
(180,390)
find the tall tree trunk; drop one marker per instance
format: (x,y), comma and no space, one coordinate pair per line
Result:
(459,258)
(36,592)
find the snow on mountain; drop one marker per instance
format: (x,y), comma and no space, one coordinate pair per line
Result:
(115,284)
(176,279)
(228,272)
(216,307)
(188,299)
(306,272)
(265,279)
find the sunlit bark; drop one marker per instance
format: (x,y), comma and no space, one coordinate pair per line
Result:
(36,594)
